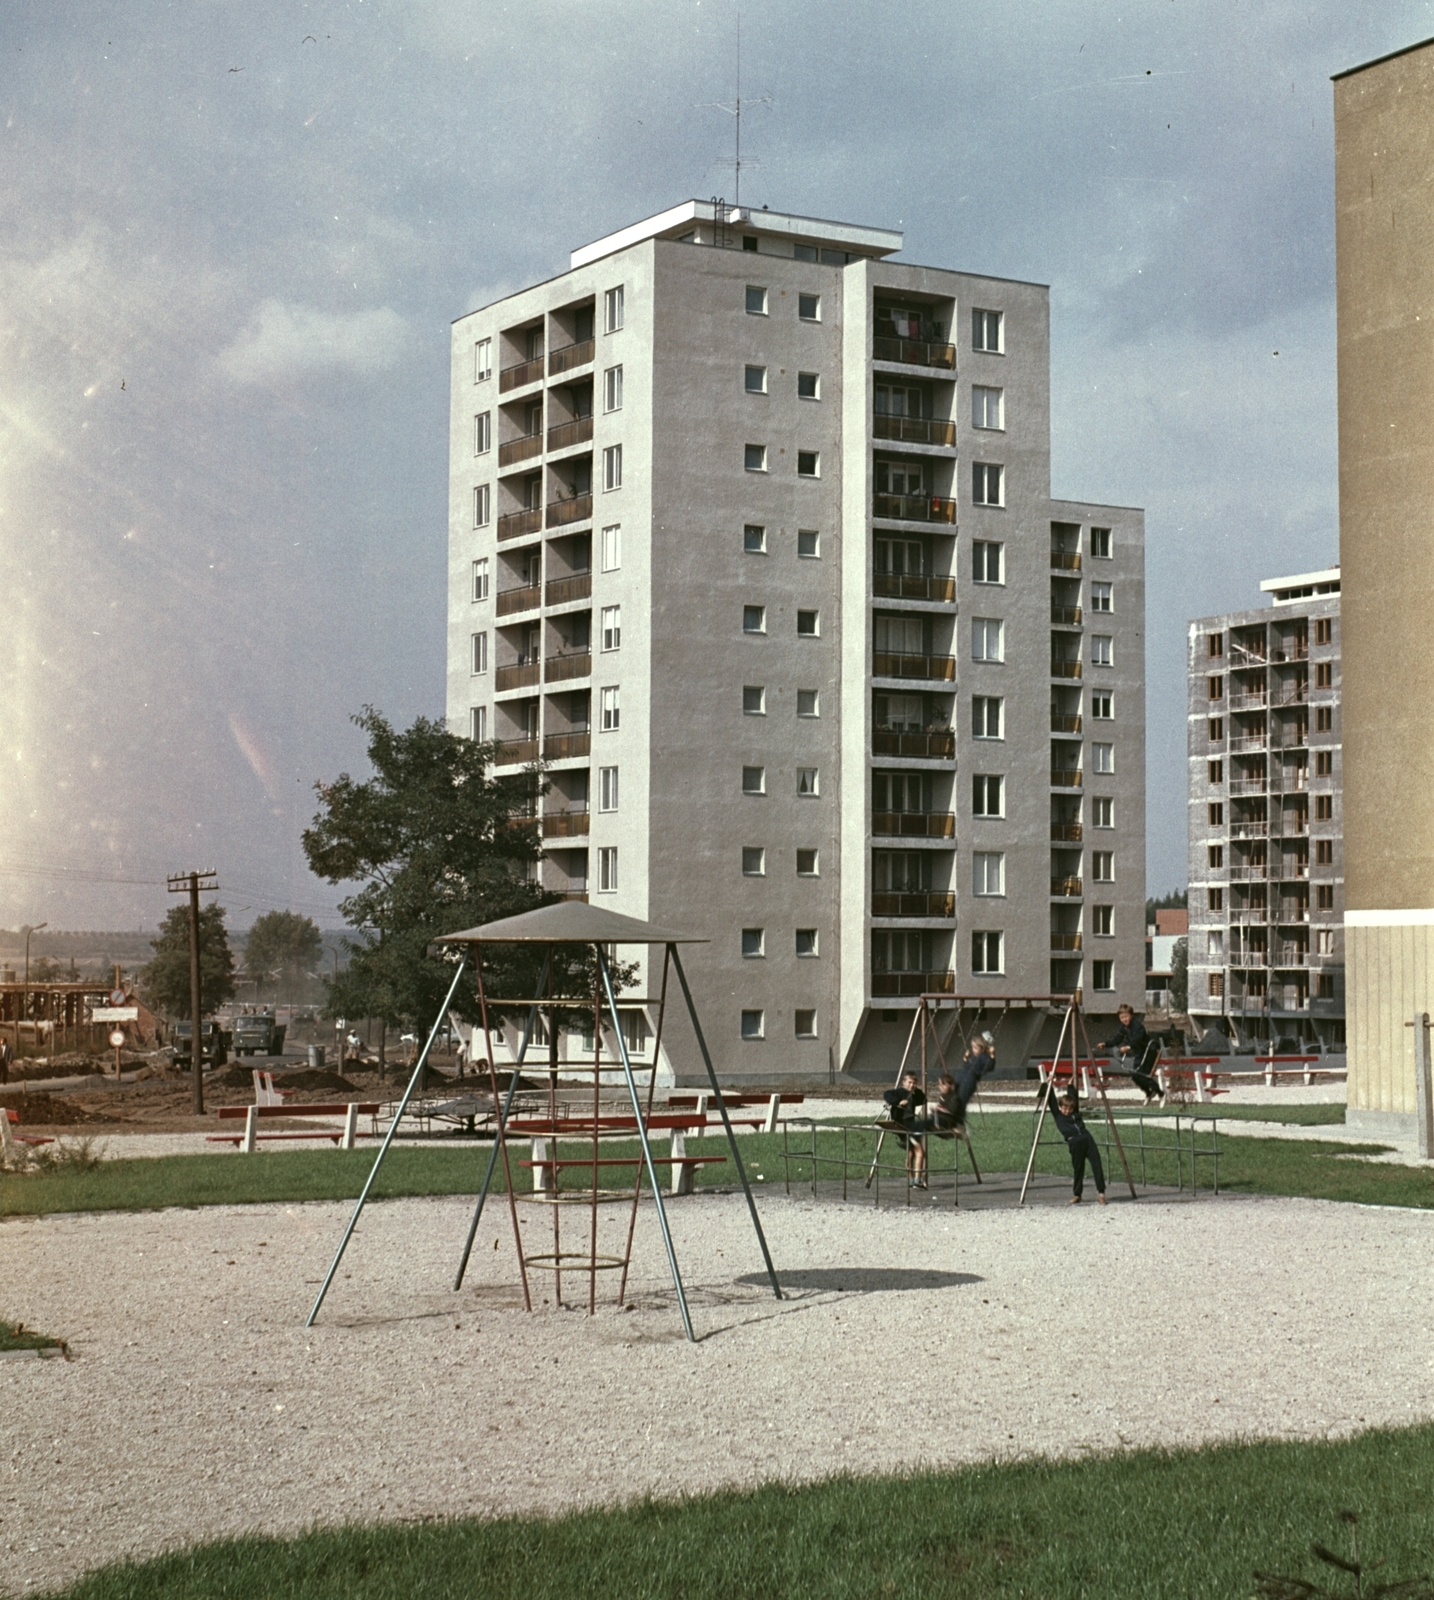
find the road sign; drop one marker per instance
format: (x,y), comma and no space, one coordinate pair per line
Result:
(118,997)
(115,1014)
(117,1038)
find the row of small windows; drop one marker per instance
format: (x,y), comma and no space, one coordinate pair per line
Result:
(1323,679)
(809,462)
(754,620)
(1324,723)
(809,541)
(754,862)
(754,701)
(809,384)
(754,781)
(754,943)
(754,1024)
(809,306)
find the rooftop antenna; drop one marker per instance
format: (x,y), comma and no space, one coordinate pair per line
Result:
(734,110)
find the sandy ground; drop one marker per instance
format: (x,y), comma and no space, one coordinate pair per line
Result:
(198,1404)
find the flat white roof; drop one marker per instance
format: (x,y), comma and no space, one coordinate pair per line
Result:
(847,236)
(1303,580)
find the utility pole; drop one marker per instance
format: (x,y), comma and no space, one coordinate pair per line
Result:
(189,883)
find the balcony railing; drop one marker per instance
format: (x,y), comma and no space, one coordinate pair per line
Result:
(571,664)
(516,752)
(565,824)
(914,824)
(1065,722)
(1249,830)
(920,746)
(1297,695)
(925,904)
(1065,941)
(518,377)
(912,586)
(1247,959)
(1282,654)
(886,665)
(1249,741)
(562,591)
(525,598)
(1066,560)
(1065,669)
(569,356)
(1066,832)
(1065,887)
(1242,657)
(913,352)
(1067,616)
(1249,914)
(914,430)
(1251,700)
(513,523)
(523,448)
(567,434)
(577,508)
(887,984)
(1251,871)
(913,507)
(1065,778)
(567,746)
(1247,786)
(522,676)
(1290,956)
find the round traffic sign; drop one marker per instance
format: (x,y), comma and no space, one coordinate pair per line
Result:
(118,997)
(117,1038)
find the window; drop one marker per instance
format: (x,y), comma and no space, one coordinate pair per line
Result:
(1103,757)
(1215,644)
(1324,807)
(755,457)
(1324,630)
(483,433)
(1100,596)
(1324,719)
(808,703)
(612,548)
(808,624)
(988,795)
(1324,763)
(807,864)
(479,724)
(1215,942)
(610,701)
(986,484)
(986,716)
(480,652)
(607,788)
(607,869)
(754,539)
(1103,921)
(987,951)
(612,310)
(807,943)
(1216,811)
(1102,650)
(753,1022)
(754,700)
(806,1022)
(1217,985)
(1215,899)
(809,386)
(1324,941)
(1100,544)
(1102,809)
(1217,730)
(1215,771)
(807,783)
(612,627)
(756,301)
(986,408)
(754,943)
(480,578)
(612,389)
(1102,707)
(808,464)
(1215,689)
(749,242)
(1216,856)
(1102,866)
(809,307)
(1324,896)
(754,861)
(754,619)
(987,328)
(988,872)
(756,380)
(1102,975)
(988,641)
(1324,675)
(986,561)
(1324,986)
(482,505)
(482,360)
(754,780)
(612,467)
(1324,852)
(809,543)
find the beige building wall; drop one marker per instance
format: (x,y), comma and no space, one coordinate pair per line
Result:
(1384,233)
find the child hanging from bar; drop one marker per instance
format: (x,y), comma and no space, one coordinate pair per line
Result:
(1065,1108)
(904,1116)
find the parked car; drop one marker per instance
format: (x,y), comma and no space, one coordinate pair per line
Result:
(213,1042)
(258,1033)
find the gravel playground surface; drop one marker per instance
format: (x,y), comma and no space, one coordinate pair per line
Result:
(198,1404)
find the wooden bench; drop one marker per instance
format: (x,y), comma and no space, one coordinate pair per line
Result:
(677,1126)
(349,1110)
(11,1115)
(704,1102)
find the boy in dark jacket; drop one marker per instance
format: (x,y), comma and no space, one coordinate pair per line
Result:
(904,1113)
(1065,1108)
(1131,1043)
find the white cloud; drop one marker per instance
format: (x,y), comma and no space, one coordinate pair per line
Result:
(289,341)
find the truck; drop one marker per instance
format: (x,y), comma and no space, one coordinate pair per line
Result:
(214,1043)
(258,1033)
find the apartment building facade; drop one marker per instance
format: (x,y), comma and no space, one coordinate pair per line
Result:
(752,545)
(1266,940)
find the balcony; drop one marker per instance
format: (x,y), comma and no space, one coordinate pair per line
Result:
(1283,653)
(884,985)
(913,352)
(513,523)
(1249,872)
(1291,872)
(912,586)
(1065,888)
(1241,656)
(1065,778)
(1249,914)
(525,598)
(577,508)
(926,904)
(914,824)
(1249,830)
(940,668)
(1247,959)
(522,676)
(918,746)
(1247,700)
(569,664)
(520,376)
(1065,722)
(1291,956)
(562,591)
(567,746)
(523,448)
(1065,560)
(1066,832)
(914,430)
(1297,695)
(913,507)
(565,824)
(1065,941)
(1065,669)
(1248,741)
(567,434)
(515,752)
(1247,786)
(1066,616)
(570,356)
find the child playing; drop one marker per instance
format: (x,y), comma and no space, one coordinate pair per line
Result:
(904,1115)
(1079,1141)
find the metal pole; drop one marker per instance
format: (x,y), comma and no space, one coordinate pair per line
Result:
(387,1140)
(196,1043)
(1048,1090)
(900,1073)
(726,1122)
(642,1140)
(1424,1090)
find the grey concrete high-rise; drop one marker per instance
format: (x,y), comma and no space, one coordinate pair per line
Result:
(752,543)
(1266,941)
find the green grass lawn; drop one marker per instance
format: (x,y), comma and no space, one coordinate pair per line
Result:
(1180,1525)
(15,1336)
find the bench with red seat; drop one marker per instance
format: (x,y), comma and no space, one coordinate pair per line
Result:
(11,1115)
(349,1110)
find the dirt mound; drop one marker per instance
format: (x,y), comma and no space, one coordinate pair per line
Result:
(316,1078)
(51,1111)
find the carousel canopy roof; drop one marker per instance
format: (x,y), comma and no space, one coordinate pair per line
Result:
(570,922)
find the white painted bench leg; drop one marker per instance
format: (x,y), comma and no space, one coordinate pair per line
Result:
(7,1144)
(774,1110)
(544,1177)
(683,1175)
(1085,1081)
(1162,1080)
(251,1131)
(350,1126)
(702,1112)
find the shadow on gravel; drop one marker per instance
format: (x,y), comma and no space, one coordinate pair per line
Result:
(864,1280)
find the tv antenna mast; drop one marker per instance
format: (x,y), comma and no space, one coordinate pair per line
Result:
(734,110)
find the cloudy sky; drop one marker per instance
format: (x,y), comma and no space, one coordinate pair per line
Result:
(234,237)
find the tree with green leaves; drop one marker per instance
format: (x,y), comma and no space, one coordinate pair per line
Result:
(164,982)
(1180,975)
(283,947)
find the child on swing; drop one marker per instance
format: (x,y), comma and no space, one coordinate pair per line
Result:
(904,1116)
(1065,1108)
